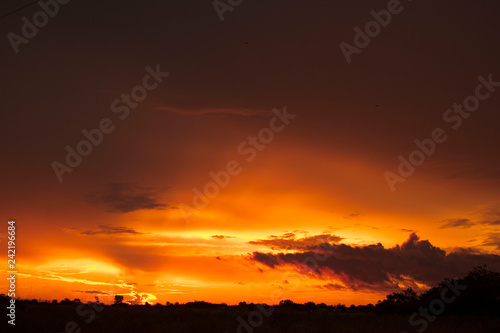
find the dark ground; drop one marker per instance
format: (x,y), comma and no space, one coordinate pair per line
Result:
(155,319)
(470,304)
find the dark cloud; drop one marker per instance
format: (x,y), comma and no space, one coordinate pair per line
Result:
(108,230)
(492,239)
(408,230)
(288,242)
(467,223)
(125,198)
(90,292)
(221,237)
(352,215)
(374,267)
(332,286)
(457,223)
(495,222)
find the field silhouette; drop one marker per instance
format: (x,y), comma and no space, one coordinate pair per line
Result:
(469,304)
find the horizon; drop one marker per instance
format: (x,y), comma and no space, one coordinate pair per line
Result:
(282,301)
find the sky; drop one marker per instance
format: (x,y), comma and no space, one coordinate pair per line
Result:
(155,151)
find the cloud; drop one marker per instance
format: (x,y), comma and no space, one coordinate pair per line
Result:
(288,242)
(496,222)
(467,223)
(374,267)
(235,111)
(125,198)
(489,216)
(222,237)
(108,230)
(457,223)
(332,286)
(492,239)
(91,292)
(352,215)
(408,230)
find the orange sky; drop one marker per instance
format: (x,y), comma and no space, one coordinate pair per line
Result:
(116,224)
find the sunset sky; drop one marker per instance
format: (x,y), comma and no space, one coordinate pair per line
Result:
(124,221)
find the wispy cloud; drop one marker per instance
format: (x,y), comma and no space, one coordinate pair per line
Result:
(332,286)
(352,215)
(467,223)
(222,237)
(91,292)
(109,230)
(492,239)
(125,198)
(289,242)
(408,230)
(456,223)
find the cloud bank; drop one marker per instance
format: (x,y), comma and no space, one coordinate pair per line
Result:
(374,267)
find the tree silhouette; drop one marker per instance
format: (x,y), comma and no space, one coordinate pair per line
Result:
(118,299)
